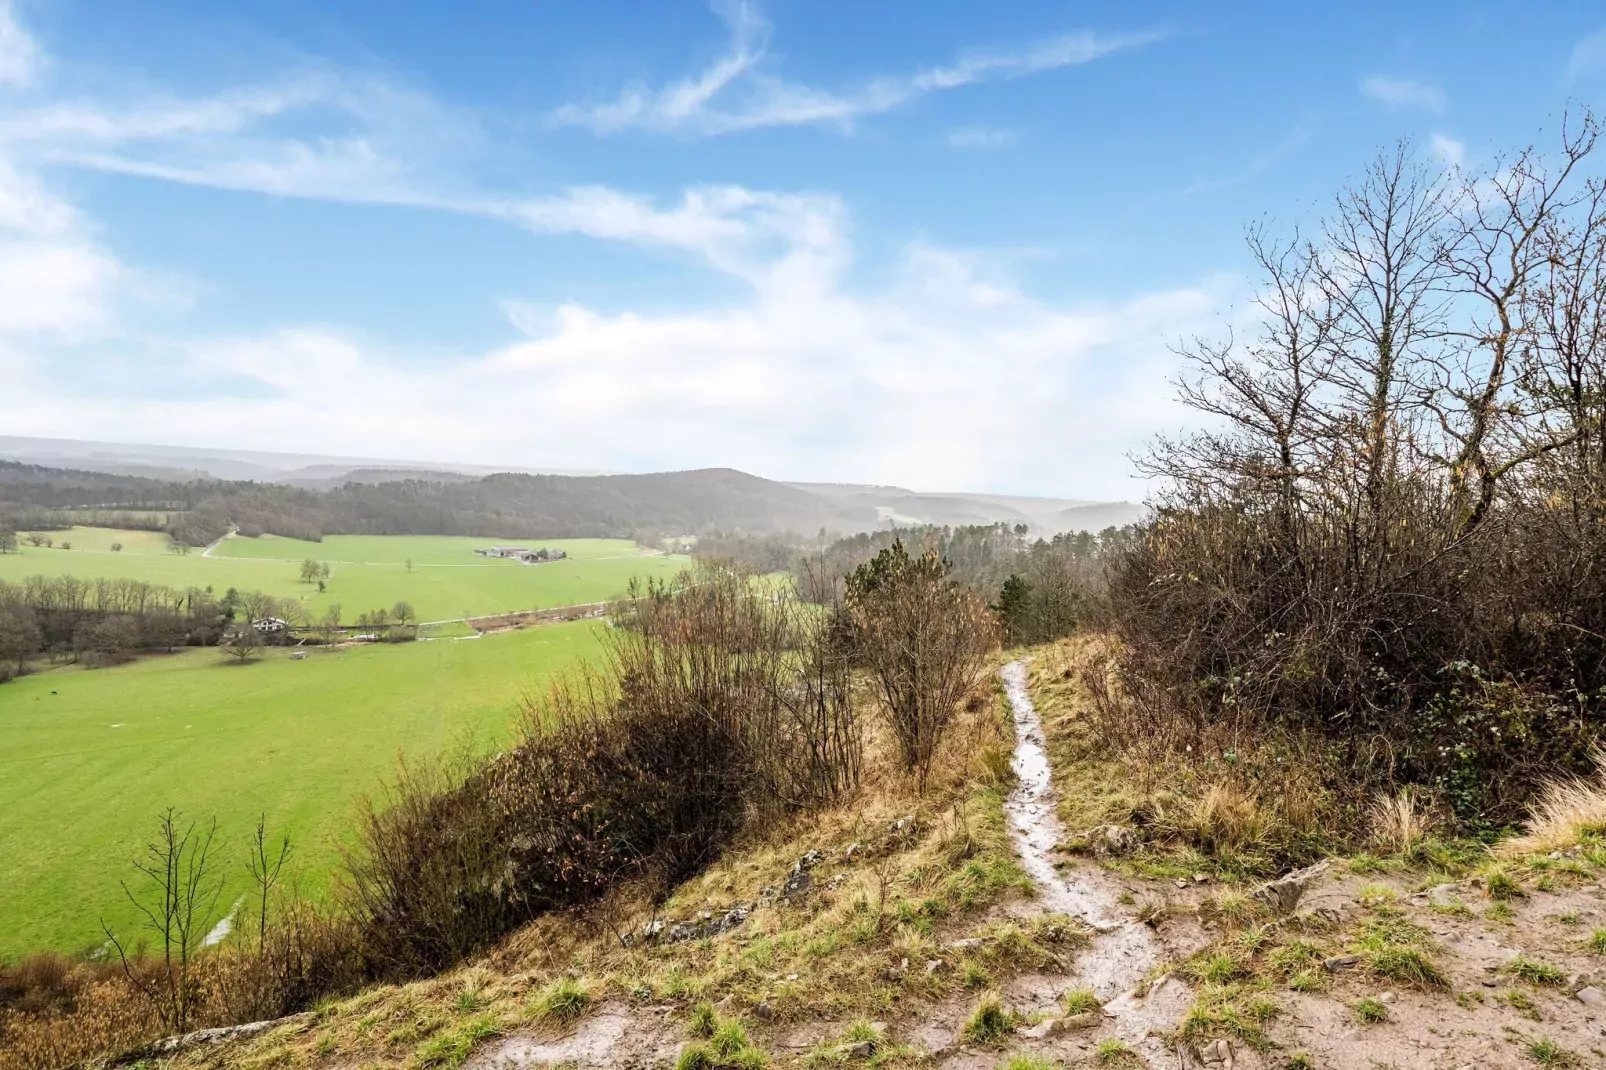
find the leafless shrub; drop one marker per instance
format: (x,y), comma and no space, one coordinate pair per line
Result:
(723,703)
(923,638)
(177,901)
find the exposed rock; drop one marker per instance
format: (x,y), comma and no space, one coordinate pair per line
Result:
(1388,997)
(763,1012)
(969,943)
(1282,895)
(1036,1032)
(1341,962)
(1111,839)
(859,1049)
(799,880)
(1591,996)
(1218,1053)
(933,965)
(1085,1020)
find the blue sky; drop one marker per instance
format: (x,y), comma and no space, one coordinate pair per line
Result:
(945,245)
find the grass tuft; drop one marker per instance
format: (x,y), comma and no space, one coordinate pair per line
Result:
(1112,1052)
(1369,1011)
(1547,1052)
(990,1022)
(1535,972)
(1566,814)
(1081,1001)
(561,1002)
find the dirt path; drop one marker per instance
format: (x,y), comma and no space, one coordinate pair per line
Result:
(215,543)
(1125,951)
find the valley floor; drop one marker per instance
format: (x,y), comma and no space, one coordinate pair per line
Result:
(958,931)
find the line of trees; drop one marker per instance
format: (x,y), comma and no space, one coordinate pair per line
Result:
(1040,589)
(108,621)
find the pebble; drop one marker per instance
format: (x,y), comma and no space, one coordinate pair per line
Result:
(1388,997)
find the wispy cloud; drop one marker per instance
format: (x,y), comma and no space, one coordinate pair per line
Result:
(1404,93)
(1257,164)
(981,137)
(375,141)
(736,93)
(1453,151)
(1588,56)
(19,55)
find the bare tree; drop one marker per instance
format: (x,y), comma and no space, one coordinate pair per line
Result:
(177,902)
(1501,250)
(403,612)
(1383,276)
(241,642)
(329,623)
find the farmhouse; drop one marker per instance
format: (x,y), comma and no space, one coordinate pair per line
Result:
(519,553)
(502,551)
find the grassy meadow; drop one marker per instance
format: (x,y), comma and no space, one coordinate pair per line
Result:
(89,757)
(445,581)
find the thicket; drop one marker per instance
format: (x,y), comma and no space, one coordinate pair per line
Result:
(1040,589)
(720,707)
(1383,561)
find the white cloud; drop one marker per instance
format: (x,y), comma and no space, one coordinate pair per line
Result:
(735,93)
(946,376)
(1588,56)
(1451,150)
(981,137)
(372,138)
(53,277)
(19,55)
(1405,93)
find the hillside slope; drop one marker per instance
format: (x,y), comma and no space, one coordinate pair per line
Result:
(512,505)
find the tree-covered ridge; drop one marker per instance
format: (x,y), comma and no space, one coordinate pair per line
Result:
(507,505)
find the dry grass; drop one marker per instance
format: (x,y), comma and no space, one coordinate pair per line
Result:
(1401,822)
(1224,805)
(1225,818)
(1567,814)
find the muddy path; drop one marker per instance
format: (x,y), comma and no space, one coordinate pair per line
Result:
(1124,952)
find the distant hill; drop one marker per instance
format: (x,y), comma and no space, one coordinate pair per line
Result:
(308,496)
(1044,516)
(507,505)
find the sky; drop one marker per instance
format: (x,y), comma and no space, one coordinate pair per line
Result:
(950,246)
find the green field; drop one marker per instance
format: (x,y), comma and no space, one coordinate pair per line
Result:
(89,757)
(445,580)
